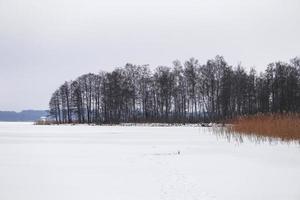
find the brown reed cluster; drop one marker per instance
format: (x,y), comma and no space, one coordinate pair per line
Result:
(282,126)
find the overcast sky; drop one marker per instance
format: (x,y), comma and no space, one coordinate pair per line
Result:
(45,42)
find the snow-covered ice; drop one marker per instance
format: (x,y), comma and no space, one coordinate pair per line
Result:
(141,163)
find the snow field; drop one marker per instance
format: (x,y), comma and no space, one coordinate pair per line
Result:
(141,163)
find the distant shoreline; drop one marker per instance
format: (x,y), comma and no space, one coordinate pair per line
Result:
(23,116)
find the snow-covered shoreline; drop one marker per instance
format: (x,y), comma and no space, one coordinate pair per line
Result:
(142,124)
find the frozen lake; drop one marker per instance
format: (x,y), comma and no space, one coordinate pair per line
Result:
(141,163)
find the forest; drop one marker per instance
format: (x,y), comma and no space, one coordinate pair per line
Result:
(187,92)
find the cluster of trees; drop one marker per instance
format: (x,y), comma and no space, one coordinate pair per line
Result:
(184,93)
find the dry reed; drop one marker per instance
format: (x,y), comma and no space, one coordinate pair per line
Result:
(282,126)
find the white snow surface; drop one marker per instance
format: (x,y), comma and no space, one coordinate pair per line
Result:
(141,163)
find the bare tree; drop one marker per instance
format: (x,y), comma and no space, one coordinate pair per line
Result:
(191,92)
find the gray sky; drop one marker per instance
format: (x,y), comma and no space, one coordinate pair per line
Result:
(45,42)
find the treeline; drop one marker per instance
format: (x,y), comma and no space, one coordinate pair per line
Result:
(184,93)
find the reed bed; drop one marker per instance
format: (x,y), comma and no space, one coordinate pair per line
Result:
(285,127)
